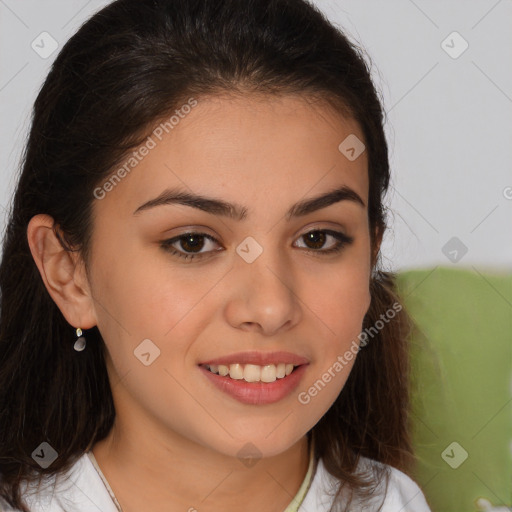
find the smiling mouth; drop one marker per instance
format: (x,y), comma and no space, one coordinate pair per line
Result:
(252,372)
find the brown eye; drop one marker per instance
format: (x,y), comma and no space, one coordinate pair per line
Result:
(192,242)
(190,245)
(316,239)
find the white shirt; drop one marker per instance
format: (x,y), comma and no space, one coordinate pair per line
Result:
(82,489)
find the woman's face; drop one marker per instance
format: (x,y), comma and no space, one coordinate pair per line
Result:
(248,295)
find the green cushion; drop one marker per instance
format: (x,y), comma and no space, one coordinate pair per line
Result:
(462,385)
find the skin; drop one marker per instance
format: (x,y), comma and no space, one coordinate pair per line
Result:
(176,437)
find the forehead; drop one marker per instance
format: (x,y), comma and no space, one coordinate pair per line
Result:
(259,150)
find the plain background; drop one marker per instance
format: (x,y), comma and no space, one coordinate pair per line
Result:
(449,121)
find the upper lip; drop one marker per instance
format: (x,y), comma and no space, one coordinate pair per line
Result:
(258,358)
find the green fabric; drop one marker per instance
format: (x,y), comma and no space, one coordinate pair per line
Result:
(462,384)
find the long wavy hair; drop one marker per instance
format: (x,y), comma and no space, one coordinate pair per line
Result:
(127,68)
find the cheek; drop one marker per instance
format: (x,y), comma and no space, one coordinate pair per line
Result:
(140,295)
(340,311)
(144,298)
(340,298)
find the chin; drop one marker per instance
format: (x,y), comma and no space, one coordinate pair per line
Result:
(257,443)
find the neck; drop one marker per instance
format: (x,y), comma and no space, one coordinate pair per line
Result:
(148,471)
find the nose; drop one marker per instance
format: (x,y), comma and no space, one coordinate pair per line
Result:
(263,295)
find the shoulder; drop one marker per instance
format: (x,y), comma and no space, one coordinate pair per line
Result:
(402,492)
(80,489)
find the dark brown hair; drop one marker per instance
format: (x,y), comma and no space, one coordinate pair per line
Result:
(125,69)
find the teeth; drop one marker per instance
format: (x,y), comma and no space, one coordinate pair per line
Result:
(268,373)
(223,370)
(253,372)
(236,371)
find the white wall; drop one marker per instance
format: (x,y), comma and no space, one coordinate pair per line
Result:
(449,119)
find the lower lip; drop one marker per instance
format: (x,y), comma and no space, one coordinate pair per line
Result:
(257,393)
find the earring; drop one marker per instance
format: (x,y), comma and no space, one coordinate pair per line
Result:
(80,342)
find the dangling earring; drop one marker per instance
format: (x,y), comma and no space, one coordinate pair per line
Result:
(80,342)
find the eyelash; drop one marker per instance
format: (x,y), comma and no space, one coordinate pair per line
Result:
(343,240)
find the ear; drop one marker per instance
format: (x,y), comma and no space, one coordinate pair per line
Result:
(62,271)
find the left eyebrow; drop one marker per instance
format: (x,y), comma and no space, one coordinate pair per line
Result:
(238,212)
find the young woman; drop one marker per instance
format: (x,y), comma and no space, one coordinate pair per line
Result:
(193,316)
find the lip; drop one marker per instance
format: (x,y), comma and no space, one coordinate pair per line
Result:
(258,358)
(256,393)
